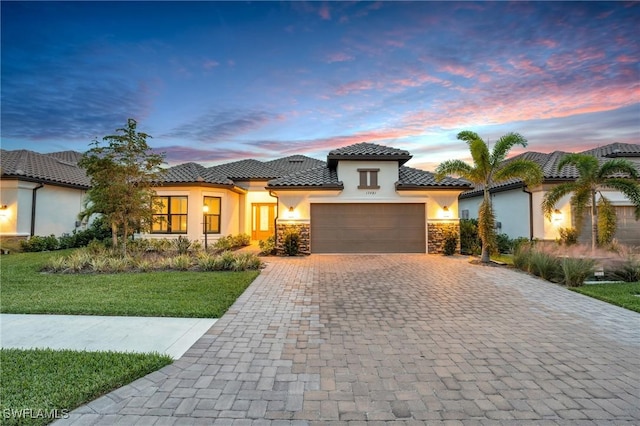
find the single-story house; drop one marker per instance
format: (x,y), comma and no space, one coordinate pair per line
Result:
(362,199)
(518,207)
(41,194)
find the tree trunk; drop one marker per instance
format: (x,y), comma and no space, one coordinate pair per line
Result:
(594,223)
(485,223)
(125,231)
(114,235)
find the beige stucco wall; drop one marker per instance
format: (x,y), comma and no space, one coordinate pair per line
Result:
(229,211)
(57,208)
(301,200)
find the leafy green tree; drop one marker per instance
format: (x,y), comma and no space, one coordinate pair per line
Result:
(122,172)
(490,168)
(594,177)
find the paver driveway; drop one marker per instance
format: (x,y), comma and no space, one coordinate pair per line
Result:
(419,339)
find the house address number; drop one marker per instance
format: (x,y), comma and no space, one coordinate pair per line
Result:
(371,192)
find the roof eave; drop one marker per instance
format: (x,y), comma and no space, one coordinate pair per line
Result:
(305,187)
(332,159)
(45,181)
(410,187)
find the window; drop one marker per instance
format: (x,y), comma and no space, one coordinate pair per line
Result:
(368,178)
(464,214)
(212,215)
(169,215)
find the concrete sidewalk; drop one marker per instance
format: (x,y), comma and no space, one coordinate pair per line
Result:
(171,336)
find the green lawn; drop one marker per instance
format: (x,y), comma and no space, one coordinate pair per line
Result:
(25,290)
(622,294)
(40,385)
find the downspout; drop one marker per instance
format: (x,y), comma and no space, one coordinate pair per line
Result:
(275,219)
(33,208)
(524,189)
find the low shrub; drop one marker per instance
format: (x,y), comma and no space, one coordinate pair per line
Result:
(568,236)
(470,242)
(576,270)
(291,242)
(628,270)
(225,261)
(181,262)
(38,243)
(182,244)
(545,265)
(224,243)
(267,246)
(450,242)
(246,261)
(240,240)
(521,256)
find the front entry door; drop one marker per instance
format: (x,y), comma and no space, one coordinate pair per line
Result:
(262,220)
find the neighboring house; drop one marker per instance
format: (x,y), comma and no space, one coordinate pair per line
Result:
(363,199)
(40,194)
(517,207)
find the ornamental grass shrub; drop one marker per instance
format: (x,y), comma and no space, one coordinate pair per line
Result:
(84,261)
(576,270)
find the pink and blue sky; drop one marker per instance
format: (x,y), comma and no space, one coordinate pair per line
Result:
(216,82)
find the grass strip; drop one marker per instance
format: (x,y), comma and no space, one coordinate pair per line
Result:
(40,385)
(25,290)
(626,295)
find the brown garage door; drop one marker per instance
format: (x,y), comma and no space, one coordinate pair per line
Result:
(628,231)
(368,228)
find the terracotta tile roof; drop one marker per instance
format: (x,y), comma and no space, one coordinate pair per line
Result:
(319,177)
(367,151)
(295,163)
(247,170)
(36,167)
(410,178)
(192,173)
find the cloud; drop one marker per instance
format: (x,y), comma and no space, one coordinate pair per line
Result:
(178,154)
(324,12)
(209,64)
(222,125)
(51,98)
(338,57)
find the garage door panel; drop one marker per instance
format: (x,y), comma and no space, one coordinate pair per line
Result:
(368,228)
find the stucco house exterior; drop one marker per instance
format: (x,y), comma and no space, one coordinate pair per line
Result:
(40,194)
(518,207)
(362,199)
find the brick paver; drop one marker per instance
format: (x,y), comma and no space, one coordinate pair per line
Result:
(398,339)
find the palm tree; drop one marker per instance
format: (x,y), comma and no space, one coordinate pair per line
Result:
(488,169)
(594,177)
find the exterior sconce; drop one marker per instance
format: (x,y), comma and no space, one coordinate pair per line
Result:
(556,216)
(291,214)
(3,210)
(446,213)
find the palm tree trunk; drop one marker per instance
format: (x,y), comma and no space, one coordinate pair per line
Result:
(484,223)
(594,222)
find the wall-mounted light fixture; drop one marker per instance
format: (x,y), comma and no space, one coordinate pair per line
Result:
(446,213)
(291,213)
(556,216)
(4,210)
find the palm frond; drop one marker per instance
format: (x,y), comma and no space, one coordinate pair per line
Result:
(478,148)
(454,167)
(504,145)
(554,195)
(617,165)
(587,165)
(527,170)
(630,189)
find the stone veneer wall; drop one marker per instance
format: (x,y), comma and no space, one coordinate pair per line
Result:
(304,229)
(436,232)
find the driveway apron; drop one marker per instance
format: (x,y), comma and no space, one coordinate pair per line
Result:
(395,339)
